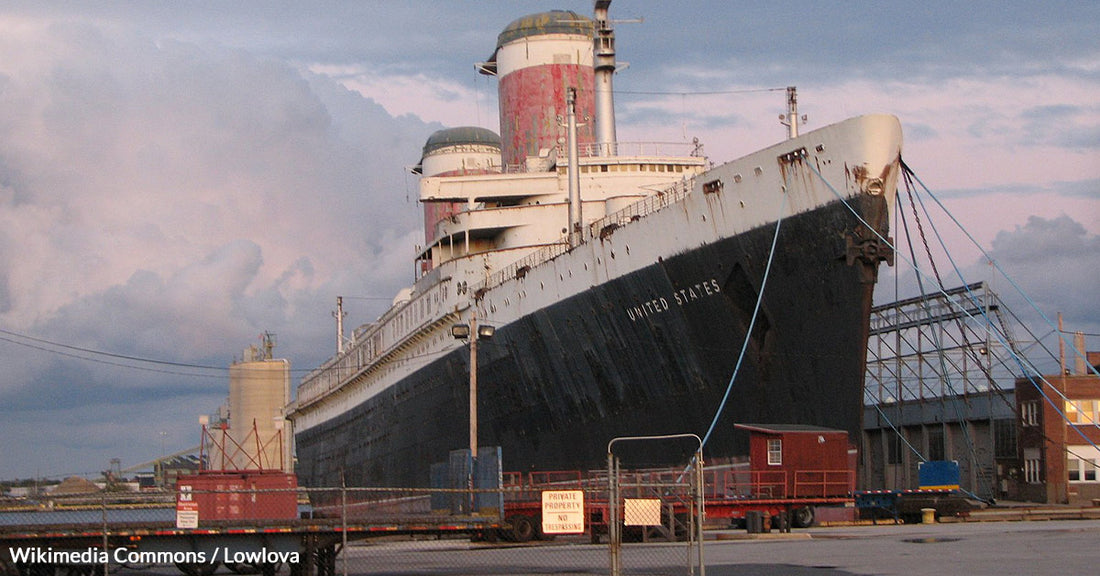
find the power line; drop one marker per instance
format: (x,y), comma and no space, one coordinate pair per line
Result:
(700,92)
(98,361)
(43,345)
(102,353)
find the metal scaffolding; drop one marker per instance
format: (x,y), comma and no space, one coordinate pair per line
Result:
(939,345)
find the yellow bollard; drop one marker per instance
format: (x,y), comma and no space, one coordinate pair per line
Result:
(928,515)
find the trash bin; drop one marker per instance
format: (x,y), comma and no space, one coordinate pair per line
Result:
(754,522)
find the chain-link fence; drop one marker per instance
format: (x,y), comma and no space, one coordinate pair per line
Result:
(647,505)
(230,525)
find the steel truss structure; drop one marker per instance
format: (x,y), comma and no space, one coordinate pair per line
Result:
(948,344)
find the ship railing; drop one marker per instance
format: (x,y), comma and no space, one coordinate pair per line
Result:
(341,368)
(656,149)
(519,268)
(669,150)
(648,205)
(320,381)
(597,229)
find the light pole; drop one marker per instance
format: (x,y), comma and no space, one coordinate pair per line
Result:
(472,332)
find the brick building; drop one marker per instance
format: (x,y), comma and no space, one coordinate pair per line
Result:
(1059,429)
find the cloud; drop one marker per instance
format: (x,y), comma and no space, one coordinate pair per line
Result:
(1056,262)
(165,200)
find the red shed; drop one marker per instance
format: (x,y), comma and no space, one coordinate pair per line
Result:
(797,461)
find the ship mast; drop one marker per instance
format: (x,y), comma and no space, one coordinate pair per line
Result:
(604,65)
(574,171)
(339,314)
(790,119)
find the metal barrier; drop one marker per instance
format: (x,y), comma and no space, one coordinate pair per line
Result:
(645,504)
(331,531)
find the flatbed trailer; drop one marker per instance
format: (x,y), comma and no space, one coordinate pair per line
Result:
(309,547)
(731,495)
(909,505)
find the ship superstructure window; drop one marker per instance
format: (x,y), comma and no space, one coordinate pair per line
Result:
(775,452)
(676,168)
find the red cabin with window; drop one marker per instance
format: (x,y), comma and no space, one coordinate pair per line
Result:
(796,461)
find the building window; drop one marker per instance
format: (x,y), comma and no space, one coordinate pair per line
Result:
(1082,411)
(775,452)
(893,447)
(1031,471)
(1029,413)
(1081,463)
(1081,470)
(936,444)
(1033,466)
(1004,438)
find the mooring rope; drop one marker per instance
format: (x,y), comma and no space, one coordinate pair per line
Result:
(1025,366)
(752,323)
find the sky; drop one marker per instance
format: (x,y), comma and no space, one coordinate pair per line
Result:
(177,178)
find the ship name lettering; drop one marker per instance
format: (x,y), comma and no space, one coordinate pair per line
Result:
(647,309)
(681,297)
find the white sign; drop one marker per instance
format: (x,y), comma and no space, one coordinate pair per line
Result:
(187,509)
(187,519)
(563,512)
(642,512)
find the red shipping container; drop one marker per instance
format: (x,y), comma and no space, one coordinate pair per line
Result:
(243,495)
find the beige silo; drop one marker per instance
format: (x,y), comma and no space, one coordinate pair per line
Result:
(259,390)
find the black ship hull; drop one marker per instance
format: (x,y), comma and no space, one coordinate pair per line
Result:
(651,352)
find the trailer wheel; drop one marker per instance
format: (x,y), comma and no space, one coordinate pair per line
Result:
(536,521)
(523,529)
(802,517)
(197,568)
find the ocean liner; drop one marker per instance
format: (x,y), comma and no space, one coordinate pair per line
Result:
(619,281)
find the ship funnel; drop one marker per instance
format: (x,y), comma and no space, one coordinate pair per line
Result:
(537,59)
(604,65)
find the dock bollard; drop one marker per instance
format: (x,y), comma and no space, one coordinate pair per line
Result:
(928,515)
